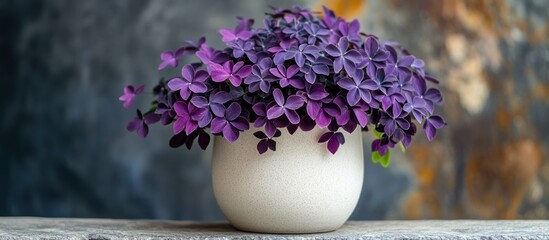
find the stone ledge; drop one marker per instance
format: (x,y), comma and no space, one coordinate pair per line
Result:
(66,228)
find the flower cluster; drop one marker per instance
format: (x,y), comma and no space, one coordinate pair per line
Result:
(299,70)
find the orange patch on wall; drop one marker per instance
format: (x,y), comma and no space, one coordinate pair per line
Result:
(348,9)
(497,178)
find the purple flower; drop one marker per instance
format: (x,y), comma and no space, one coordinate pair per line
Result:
(301,53)
(351,116)
(243,47)
(417,106)
(281,50)
(334,139)
(288,76)
(375,57)
(316,33)
(344,58)
(234,72)
(231,123)
(285,107)
(213,104)
(188,116)
(170,58)
(316,92)
(349,30)
(381,79)
(396,63)
(404,81)
(260,109)
(192,82)
(266,141)
(206,54)
(314,66)
(382,145)
(129,95)
(233,35)
(357,88)
(323,111)
(297,70)
(389,97)
(393,119)
(431,96)
(431,125)
(140,123)
(259,79)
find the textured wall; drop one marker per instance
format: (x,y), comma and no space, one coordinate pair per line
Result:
(64,150)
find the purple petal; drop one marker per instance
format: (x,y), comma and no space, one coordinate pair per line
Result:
(333,145)
(294,102)
(321,69)
(241,124)
(179,125)
(436,121)
(203,140)
(198,87)
(361,117)
(323,119)
(313,109)
(292,115)
(306,123)
(187,72)
(332,50)
(278,97)
(200,101)
(292,70)
(270,129)
(181,109)
(219,75)
(218,124)
(365,95)
(151,118)
(338,64)
(353,96)
(233,111)
(275,112)
(190,127)
(371,46)
(221,97)
(230,133)
(262,146)
(317,92)
(244,71)
(354,56)
(343,44)
(218,109)
(176,84)
(205,120)
(139,89)
(133,124)
(430,130)
(259,109)
(346,83)
(325,137)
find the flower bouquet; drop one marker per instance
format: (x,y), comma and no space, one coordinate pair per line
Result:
(299,70)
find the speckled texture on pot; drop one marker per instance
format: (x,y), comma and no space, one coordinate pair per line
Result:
(299,188)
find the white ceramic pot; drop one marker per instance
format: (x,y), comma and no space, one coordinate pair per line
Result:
(299,188)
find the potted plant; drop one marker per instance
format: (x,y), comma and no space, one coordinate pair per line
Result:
(287,103)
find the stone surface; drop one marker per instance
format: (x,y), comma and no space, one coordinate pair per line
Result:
(63,228)
(64,149)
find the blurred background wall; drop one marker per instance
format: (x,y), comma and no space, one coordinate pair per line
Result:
(64,150)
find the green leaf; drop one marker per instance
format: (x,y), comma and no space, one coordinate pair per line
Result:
(402,147)
(377,134)
(384,160)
